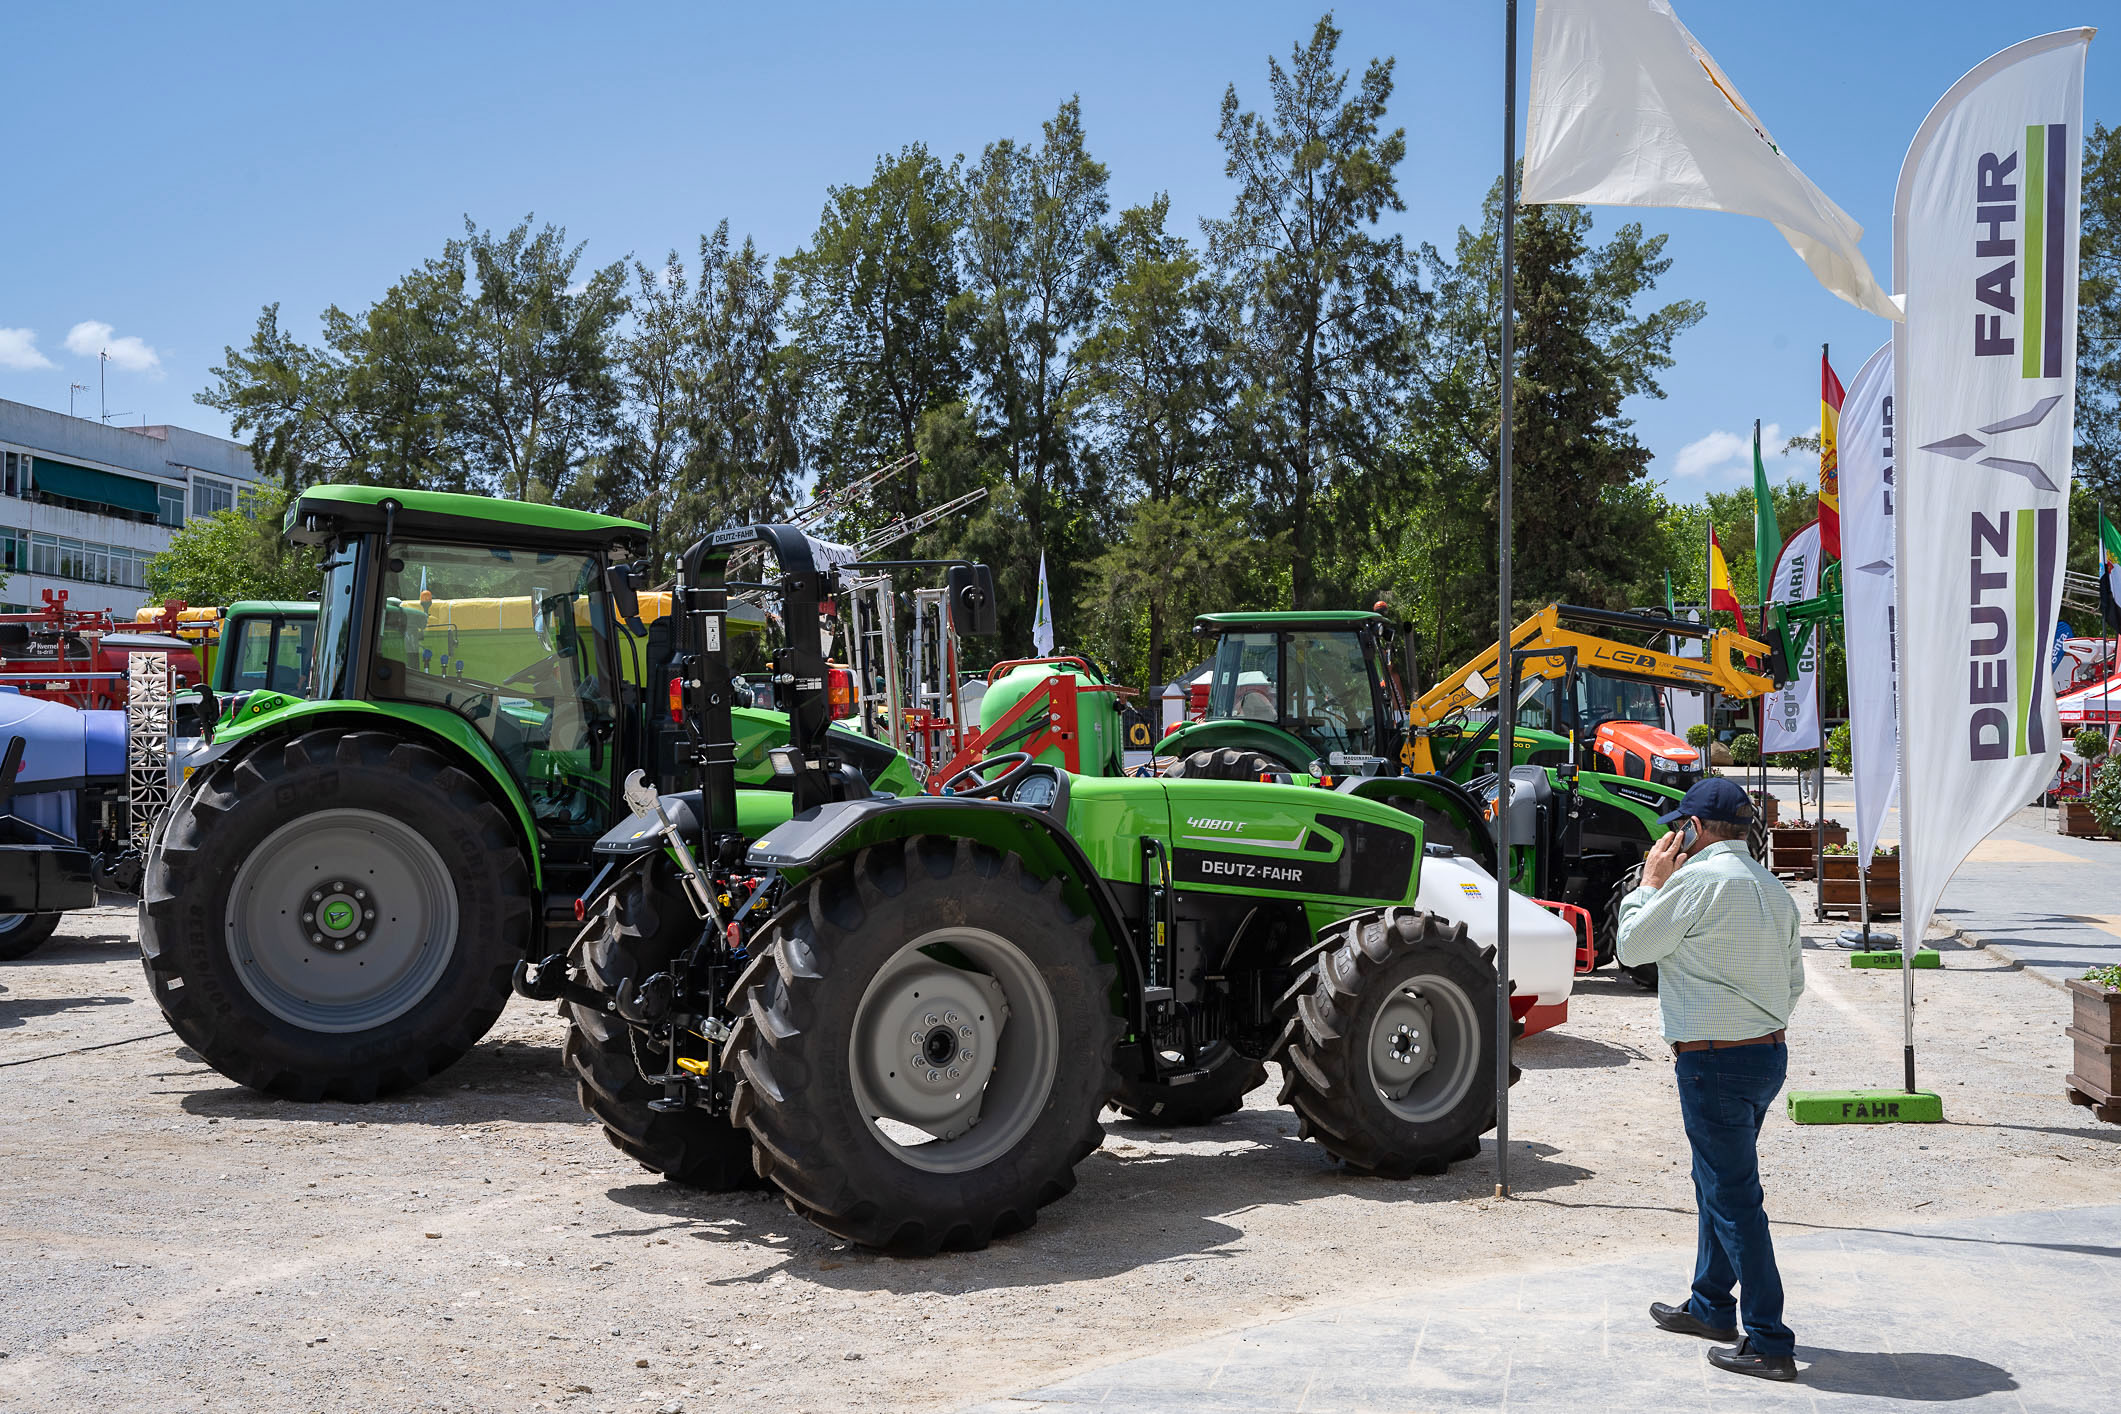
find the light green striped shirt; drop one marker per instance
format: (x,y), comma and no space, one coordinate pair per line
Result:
(1723,933)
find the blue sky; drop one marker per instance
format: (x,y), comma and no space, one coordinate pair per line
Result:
(171,168)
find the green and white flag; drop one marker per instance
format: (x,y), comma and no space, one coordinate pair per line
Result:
(1042,621)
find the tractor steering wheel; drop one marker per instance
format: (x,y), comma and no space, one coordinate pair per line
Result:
(986,789)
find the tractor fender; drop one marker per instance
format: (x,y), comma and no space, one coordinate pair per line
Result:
(1235,733)
(436,726)
(818,839)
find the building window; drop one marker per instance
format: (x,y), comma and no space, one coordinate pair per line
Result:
(172,505)
(14,473)
(209,496)
(14,549)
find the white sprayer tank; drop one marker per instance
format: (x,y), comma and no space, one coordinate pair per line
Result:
(1542,947)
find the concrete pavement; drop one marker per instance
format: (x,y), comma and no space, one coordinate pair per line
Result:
(2005,1313)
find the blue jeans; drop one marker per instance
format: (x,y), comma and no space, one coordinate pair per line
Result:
(1724,1097)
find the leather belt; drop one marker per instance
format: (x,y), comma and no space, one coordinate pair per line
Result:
(1773,1038)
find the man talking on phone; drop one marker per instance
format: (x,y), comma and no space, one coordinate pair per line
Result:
(1723,933)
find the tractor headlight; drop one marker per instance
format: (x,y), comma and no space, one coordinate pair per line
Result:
(785,760)
(1664,763)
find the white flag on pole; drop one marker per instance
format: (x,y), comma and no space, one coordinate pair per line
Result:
(1627,109)
(1867,607)
(1790,714)
(1985,233)
(1042,620)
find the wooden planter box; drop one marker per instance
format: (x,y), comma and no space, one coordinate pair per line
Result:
(1790,847)
(1885,868)
(2077,820)
(2095,1034)
(1848,894)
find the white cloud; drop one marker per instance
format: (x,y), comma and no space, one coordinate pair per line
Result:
(129,352)
(1727,457)
(18,349)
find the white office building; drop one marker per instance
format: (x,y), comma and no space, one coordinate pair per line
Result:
(84,507)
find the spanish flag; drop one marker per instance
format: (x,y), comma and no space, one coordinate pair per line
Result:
(1829,459)
(1720,594)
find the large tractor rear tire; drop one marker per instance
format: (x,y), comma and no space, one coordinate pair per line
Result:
(635,933)
(23,933)
(1231,1075)
(926,1042)
(334,916)
(1389,1058)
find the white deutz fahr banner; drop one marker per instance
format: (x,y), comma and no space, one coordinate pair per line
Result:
(1868,608)
(1985,230)
(1789,716)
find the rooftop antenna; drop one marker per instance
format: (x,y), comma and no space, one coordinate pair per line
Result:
(102,385)
(71,390)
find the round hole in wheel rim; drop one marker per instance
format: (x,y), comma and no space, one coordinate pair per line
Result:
(325,974)
(1424,1048)
(953,1114)
(9,922)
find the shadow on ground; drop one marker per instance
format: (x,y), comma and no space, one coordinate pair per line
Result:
(512,1081)
(13,1014)
(1128,1210)
(1902,1375)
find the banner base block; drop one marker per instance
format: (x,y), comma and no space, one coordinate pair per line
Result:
(1865,1107)
(1889,958)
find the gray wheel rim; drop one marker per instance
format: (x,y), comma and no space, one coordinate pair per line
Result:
(954,1113)
(9,922)
(342,920)
(1424,1046)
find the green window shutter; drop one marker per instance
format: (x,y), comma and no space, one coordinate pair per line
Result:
(100,488)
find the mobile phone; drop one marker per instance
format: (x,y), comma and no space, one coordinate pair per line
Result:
(1687,837)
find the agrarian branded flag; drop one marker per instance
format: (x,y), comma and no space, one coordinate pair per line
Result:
(1720,594)
(1789,719)
(1829,459)
(1627,109)
(1767,534)
(1985,245)
(2109,573)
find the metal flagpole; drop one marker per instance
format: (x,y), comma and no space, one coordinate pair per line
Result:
(1819,702)
(1506,706)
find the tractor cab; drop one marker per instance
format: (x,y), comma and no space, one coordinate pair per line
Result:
(493,616)
(1299,687)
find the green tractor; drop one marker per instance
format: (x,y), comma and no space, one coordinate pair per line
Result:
(1296,694)
(906,1011)
(352,866)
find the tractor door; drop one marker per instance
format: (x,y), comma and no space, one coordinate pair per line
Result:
(518,642)
(1331,699)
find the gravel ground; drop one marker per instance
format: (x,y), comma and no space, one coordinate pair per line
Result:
(169,1241)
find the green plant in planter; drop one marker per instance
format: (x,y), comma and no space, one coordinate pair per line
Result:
(1840,755)
(2090,743)
(1698,735)
(1745,749)
(2104,797)
(2108,977)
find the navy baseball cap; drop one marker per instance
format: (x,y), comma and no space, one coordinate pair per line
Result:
(1712,798)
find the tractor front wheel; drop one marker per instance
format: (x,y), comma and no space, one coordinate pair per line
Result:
(1643,975)
(637,931)
(923,1047)
(334,916)
(1389,1057)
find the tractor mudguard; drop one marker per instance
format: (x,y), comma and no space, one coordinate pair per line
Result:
(1449,813)
(457,736)
(817,839)
(1237,734)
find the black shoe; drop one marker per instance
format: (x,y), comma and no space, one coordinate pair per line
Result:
(1680,1321)
(1742,1359)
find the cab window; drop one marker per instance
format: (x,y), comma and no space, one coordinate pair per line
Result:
(1332,705)
(1247,679)
(512,641)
